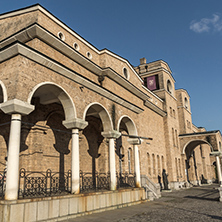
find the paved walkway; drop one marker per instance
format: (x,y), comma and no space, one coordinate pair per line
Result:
(194,204)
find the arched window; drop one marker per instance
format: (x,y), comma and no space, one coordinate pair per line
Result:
(186,102)
(125,73)
(158,165)
(154,164)
(174,113)
(173,137)
(130,160)
(148,164)
(176,164)
(176,138)
(180,172)
(169,87)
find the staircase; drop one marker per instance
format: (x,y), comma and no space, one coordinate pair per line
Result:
(152,190)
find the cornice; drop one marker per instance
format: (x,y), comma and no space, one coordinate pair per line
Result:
(150,105)
(207,133)
(69,30)
(21,49)
(36,31)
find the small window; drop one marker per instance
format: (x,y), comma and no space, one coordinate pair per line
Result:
(125,73)
(186,103)
(89,55)
(171,113)
(76,46)
(174,113)
(169,87)
(61,36)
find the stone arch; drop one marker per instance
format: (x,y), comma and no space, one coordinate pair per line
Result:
(194,143)
(127,124)
(49,92)
(3,92)
(4,129)
(195,168)
(93,145)
(99,111)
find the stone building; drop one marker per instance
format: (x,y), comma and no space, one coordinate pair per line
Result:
(89,117)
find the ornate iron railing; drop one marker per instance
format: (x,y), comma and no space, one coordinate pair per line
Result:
(101,181)
(42,184)
(2,184)
(94,181)
(36,184)
(125,180)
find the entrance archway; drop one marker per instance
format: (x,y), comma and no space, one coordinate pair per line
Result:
(197,157)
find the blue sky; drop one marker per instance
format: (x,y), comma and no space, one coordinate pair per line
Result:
(185,34)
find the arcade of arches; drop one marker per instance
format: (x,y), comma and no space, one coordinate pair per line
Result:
(86,119)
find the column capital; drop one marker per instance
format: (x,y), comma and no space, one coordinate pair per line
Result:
(112,134)
(75,123)
(16,106)
(134,141)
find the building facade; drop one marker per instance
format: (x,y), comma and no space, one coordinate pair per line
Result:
(72,110)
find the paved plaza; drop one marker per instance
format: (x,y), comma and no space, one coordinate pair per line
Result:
(194,204)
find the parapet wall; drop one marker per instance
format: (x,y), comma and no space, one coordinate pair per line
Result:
(69,206)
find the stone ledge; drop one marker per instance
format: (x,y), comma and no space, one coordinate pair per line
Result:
(68,206)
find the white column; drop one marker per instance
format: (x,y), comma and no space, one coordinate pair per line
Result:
(12,175)
(219,170)
(75,161)
(137,165)
(112,164)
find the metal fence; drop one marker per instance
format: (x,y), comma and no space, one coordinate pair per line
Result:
(2,184)
(125,180)
(94,181)
(101,181)
(48,183)
(36,184)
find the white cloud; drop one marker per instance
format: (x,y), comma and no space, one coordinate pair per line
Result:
(207,24)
